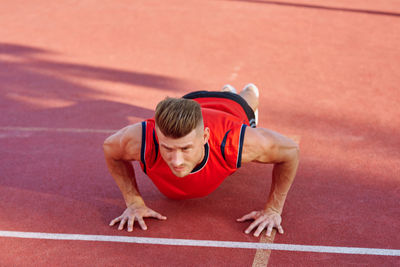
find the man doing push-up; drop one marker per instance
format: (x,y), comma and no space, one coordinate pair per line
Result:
(192,144)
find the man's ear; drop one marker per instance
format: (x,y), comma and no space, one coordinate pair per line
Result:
(206,134)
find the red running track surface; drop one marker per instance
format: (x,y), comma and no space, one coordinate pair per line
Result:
(328,73)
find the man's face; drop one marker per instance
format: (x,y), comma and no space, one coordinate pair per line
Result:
(183,154)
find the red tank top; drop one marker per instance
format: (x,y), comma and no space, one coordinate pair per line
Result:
(223,152)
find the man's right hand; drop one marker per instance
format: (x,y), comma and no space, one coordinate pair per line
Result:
(136,212)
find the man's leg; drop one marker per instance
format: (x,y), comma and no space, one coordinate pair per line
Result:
(250,94)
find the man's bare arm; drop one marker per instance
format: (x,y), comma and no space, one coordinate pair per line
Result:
(119,149)
(265,146)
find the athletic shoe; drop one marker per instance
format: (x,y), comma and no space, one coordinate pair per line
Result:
(228,88)
(254,88)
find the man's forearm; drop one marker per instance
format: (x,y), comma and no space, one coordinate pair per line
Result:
(282,178)
(124,175)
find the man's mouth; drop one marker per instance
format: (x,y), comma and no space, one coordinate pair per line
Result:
(178,169)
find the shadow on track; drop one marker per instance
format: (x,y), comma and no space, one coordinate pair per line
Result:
(38,91)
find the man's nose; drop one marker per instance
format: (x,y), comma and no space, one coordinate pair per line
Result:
(177,159)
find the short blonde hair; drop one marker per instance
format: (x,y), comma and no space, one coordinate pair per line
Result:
(177,117)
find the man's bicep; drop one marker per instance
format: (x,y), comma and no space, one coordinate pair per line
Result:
(266,146)
(124,144)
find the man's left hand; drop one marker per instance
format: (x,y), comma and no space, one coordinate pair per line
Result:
(264,219)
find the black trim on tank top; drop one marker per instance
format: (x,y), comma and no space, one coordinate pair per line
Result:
(204,161)
(155,143)
(223,144)
(241,141)
(143,149)
(227,95)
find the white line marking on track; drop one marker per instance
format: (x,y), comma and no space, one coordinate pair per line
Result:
(202,243)
(45,129)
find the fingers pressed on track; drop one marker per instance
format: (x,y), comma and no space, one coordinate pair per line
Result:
(249,216)
(269,229)
(260,228)
(157,215)
(253,225)
(122,224)
(115,221)
(142,223)
(160,217)
(131,222)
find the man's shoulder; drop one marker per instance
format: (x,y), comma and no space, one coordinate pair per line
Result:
(256,142)
(265,145)
(126,143)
